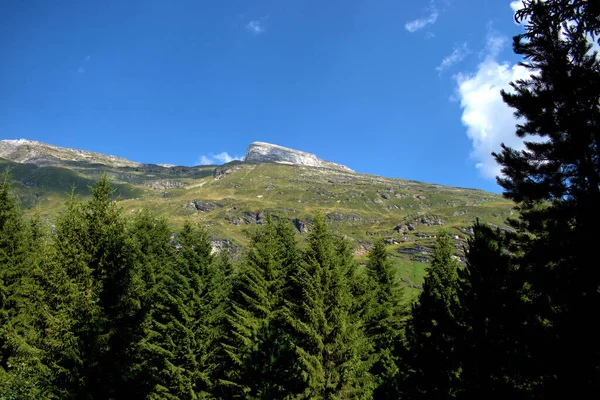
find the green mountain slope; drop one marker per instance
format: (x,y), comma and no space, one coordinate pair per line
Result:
(235,197)
(44,189)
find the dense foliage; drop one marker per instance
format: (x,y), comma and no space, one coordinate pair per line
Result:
(107,306)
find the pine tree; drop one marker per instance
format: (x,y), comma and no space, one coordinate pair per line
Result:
(385,320)
(204,296)
(256,347)
(119,282)
(495,360)
(432,331)
(161,364)
(23,373)
(218,360)
(556,184)
(331,348)
(100,316)
(71,307)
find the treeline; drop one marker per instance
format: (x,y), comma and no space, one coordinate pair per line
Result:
(112,307)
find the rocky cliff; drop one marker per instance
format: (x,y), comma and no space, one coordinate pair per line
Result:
(260,152)
(42,154)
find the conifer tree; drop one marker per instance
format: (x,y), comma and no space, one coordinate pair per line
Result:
(204,296)
(161,360)
(385,320)
(495,360)
(71,305)
(121,288)
(358,282)
(218,359)
(555,181)
(23,373)
(255,345)
(432,331)
(332,351)
(102,314)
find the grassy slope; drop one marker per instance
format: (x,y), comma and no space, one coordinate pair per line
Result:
(45,189)
(354,202)
(358,206)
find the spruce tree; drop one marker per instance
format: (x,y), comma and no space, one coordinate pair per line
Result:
(555,181)
(161,360)
(71,305)
(218,359)
(332,350)
(23,372)
(385,321)
(432,331)
(101,311)
(204,295)
(121,288)
(494,357)
(257,349)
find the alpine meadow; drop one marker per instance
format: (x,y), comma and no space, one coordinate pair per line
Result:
(281,275)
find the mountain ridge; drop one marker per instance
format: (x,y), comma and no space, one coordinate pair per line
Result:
(44,154)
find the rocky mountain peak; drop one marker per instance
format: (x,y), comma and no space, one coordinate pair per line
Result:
(259,152)
(43,154)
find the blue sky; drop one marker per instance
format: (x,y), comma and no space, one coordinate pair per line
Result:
(406,89)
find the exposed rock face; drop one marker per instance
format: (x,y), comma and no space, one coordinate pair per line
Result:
(164,184)
(202,206)
(259,152)
(302,225)
(42,154)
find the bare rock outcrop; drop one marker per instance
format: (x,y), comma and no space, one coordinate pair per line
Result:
(43,154)
(260,152)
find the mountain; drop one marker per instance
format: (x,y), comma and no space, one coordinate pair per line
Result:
(234,197)
(42,154)
(260,152)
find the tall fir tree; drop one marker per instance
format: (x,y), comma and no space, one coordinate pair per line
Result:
(332,350)
(256,347)
(495,359)
(432,331)
(71,303)
(162,363)
(385,321)
(555,181)
(205,295)
(102,312)
(23,372)
(120,285)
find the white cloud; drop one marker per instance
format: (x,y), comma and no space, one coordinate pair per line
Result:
(516,5)
(87,58)
(255,26)
(420,23)
(216,159)
(489,121)
(458,54)
(80,70)
(494,45)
